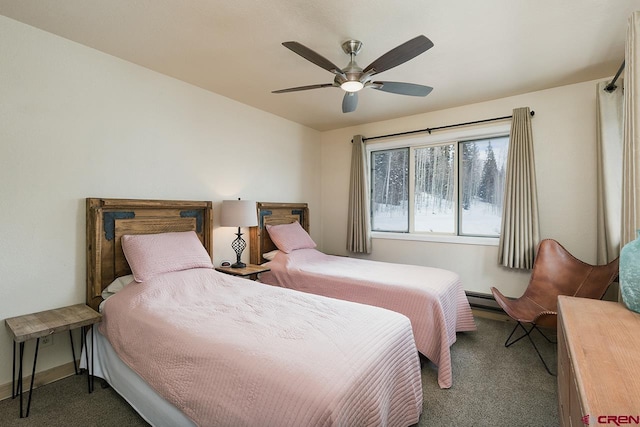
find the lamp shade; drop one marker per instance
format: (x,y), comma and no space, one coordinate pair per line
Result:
(238,213)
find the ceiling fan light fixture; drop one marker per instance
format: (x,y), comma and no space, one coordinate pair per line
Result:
(352,86)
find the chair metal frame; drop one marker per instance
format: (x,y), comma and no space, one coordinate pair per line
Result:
(528,335)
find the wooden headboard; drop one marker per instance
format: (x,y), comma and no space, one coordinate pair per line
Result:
(274,214)
(109,219)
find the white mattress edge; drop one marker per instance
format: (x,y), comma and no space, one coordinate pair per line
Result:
(156,410)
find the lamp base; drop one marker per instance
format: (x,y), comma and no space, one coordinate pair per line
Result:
(238,245)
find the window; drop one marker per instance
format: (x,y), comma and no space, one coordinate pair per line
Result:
(390,190)
(439,187)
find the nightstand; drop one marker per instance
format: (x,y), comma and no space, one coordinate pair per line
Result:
(41,324)
(251,271)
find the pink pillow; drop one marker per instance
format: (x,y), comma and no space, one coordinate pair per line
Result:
(289,237)
(152,254)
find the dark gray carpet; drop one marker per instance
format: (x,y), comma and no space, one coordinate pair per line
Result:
(67,403)
(492,386)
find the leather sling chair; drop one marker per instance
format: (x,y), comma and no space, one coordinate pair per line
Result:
(555,272)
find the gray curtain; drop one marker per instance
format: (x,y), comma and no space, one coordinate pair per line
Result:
(520,233)
(609,108)
(359,221)
(631,134)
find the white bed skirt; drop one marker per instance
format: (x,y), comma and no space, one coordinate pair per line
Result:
(149,404)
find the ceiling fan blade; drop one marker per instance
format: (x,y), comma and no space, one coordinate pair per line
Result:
(349,102)
(400,54)
(314,57)
(299,88)
(410,89)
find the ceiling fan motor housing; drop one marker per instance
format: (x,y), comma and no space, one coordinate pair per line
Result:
(352,72)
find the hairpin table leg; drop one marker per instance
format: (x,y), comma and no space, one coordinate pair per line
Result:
(33,376)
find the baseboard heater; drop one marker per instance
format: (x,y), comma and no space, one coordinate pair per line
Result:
(483,301)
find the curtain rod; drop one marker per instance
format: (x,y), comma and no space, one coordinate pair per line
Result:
(612,86)
(532,113)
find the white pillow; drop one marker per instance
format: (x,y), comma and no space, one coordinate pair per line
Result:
(269,256)
(117,285)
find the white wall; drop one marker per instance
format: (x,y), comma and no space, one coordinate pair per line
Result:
(77,123)
(565,157)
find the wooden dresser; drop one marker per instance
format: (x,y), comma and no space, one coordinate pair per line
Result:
(598,363)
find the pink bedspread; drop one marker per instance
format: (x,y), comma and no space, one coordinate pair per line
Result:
(231,352)
(432,298)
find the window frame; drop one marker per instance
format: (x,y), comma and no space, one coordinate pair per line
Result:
(454,136)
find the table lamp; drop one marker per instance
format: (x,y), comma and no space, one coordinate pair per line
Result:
(238,213)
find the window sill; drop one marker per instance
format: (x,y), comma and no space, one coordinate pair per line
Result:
(463,240)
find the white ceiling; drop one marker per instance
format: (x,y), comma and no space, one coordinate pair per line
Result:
(483,50)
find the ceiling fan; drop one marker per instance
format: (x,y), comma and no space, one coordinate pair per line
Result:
(352,78)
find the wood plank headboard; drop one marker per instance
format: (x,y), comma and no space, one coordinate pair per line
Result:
(109,219)
(274,214)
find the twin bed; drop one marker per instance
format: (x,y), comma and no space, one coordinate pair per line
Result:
(187,345)
(433,299)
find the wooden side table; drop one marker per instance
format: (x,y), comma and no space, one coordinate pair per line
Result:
(251,271)
(38,325)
